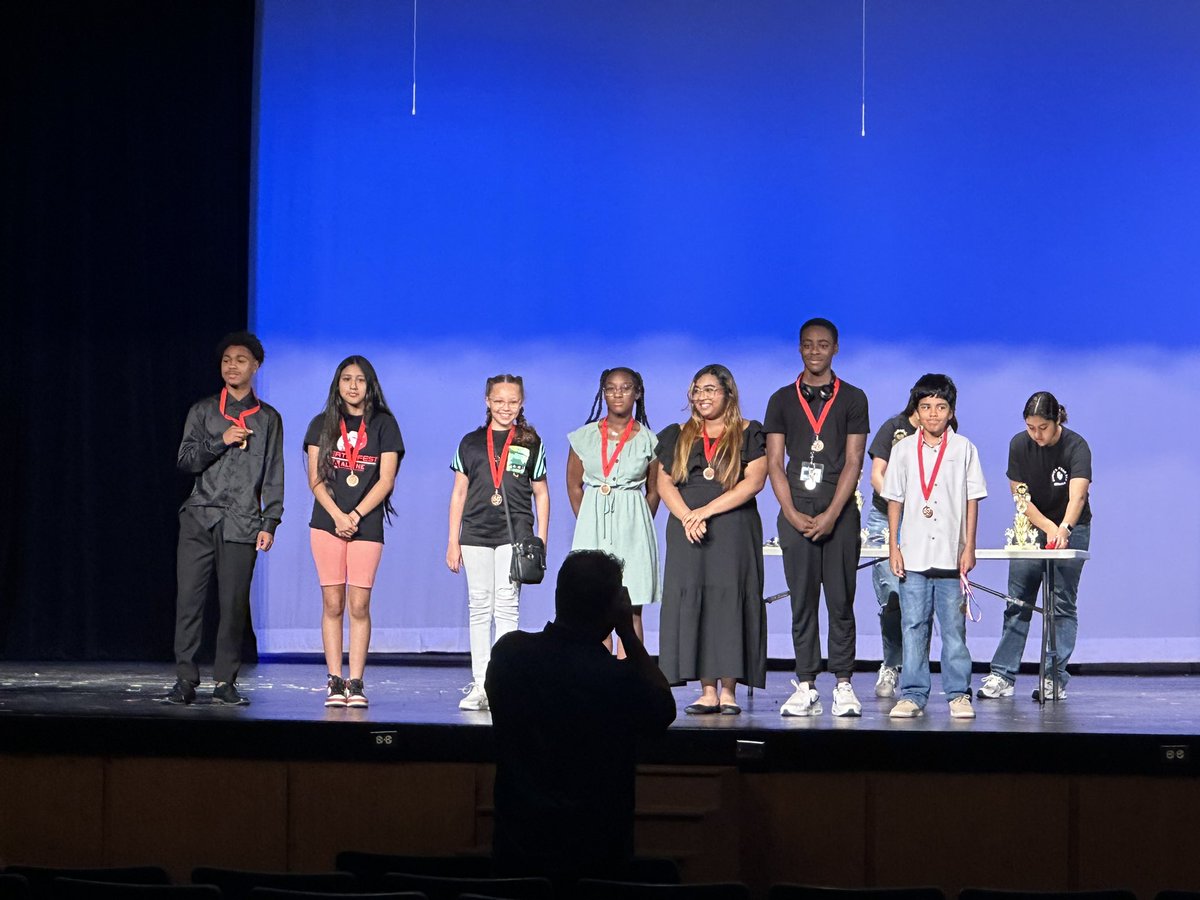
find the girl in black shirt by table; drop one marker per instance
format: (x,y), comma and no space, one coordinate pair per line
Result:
(354,449)
(1056,464)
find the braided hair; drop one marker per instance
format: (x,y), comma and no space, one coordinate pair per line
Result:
(523,433)
(639,388)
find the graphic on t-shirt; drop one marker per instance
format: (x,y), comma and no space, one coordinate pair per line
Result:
(518,459)
(341,459)
(1058,477)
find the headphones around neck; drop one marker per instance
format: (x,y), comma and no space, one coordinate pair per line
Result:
(815,391)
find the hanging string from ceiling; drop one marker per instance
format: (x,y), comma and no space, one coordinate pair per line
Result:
(414,57)
(863,133)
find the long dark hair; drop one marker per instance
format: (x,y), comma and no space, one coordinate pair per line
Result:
(331,428)
(524,433)
(639,388)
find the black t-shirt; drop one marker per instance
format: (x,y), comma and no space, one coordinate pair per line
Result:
(483,525)
(847,416)
(1048,472)
(383,436)
(697,489)
(893,431)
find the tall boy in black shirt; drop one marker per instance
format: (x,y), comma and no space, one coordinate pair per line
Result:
(822,424)
(233,444)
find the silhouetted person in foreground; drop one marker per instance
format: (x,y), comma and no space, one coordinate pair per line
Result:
(567,715)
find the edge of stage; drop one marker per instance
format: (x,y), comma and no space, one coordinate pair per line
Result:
(1111,724)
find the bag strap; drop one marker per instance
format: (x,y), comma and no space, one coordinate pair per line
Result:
(512,538)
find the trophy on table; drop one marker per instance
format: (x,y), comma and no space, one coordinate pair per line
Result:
(1022,535)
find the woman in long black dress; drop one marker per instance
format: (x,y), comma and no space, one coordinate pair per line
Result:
(713,625)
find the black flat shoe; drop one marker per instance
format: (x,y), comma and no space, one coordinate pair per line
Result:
(730,709)
(701,709)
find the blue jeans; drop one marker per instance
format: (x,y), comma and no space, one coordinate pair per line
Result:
(1024,581)
(920,598)
(887,592)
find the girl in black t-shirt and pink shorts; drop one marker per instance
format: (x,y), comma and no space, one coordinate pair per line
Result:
(354,450)
(503,459)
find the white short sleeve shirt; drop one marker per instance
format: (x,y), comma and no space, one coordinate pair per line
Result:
(937,541)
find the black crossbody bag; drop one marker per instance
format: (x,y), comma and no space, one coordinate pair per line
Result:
(528,565)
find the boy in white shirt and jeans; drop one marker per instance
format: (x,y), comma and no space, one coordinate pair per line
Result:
(935,481)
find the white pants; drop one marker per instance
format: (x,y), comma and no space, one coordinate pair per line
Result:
(492,597)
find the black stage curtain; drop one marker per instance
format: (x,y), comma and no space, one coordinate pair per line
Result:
(125,153)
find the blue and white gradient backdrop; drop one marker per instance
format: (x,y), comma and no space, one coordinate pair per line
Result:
(669,184)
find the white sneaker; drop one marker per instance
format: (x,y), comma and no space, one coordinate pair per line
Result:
(994,687)
(885,684)
(475,698)
(844,701)
(1050,693)
(804,702)
(906,709)
(961,708)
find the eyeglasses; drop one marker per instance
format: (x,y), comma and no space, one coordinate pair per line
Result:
(616,390)
(708,391)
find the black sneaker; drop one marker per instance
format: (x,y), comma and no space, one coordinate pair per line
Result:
(355,697)
(226,692)
(183,693)
(335,691)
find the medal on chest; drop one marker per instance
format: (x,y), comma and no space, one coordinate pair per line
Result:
(927,489)
(817,423)
(240,420)
(710,451)
(353,449)
(607,462)
(497,463)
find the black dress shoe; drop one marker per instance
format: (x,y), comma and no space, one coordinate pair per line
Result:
(227,693)
(730,709)
(701,709)
(183,693)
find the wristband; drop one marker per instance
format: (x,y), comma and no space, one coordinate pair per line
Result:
(357,513)
(1069,528)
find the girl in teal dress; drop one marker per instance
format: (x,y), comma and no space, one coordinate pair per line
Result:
(613,457)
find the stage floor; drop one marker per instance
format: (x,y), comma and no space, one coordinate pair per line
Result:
(1126,724)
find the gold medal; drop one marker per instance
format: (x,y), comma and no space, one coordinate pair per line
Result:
(927,512)
(243,444)
(606,489)
(818,445)
(352,480)
(709,473)
(497,499)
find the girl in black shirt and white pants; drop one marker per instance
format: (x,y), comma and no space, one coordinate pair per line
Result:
(504,458)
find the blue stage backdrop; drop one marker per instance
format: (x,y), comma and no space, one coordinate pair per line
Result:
(668,184)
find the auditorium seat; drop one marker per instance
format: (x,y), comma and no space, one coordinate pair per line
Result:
(374,864)
(41,878)
(806,892)
(988,894)
(595,889)
(437,888)
(82,889)
(265,893)
(236,884)
(15,887)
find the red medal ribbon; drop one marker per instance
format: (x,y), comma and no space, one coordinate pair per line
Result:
(497,466)
(240,421)
(937,465)
(818,424)
(360,441)
(710,450)
(607,463)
